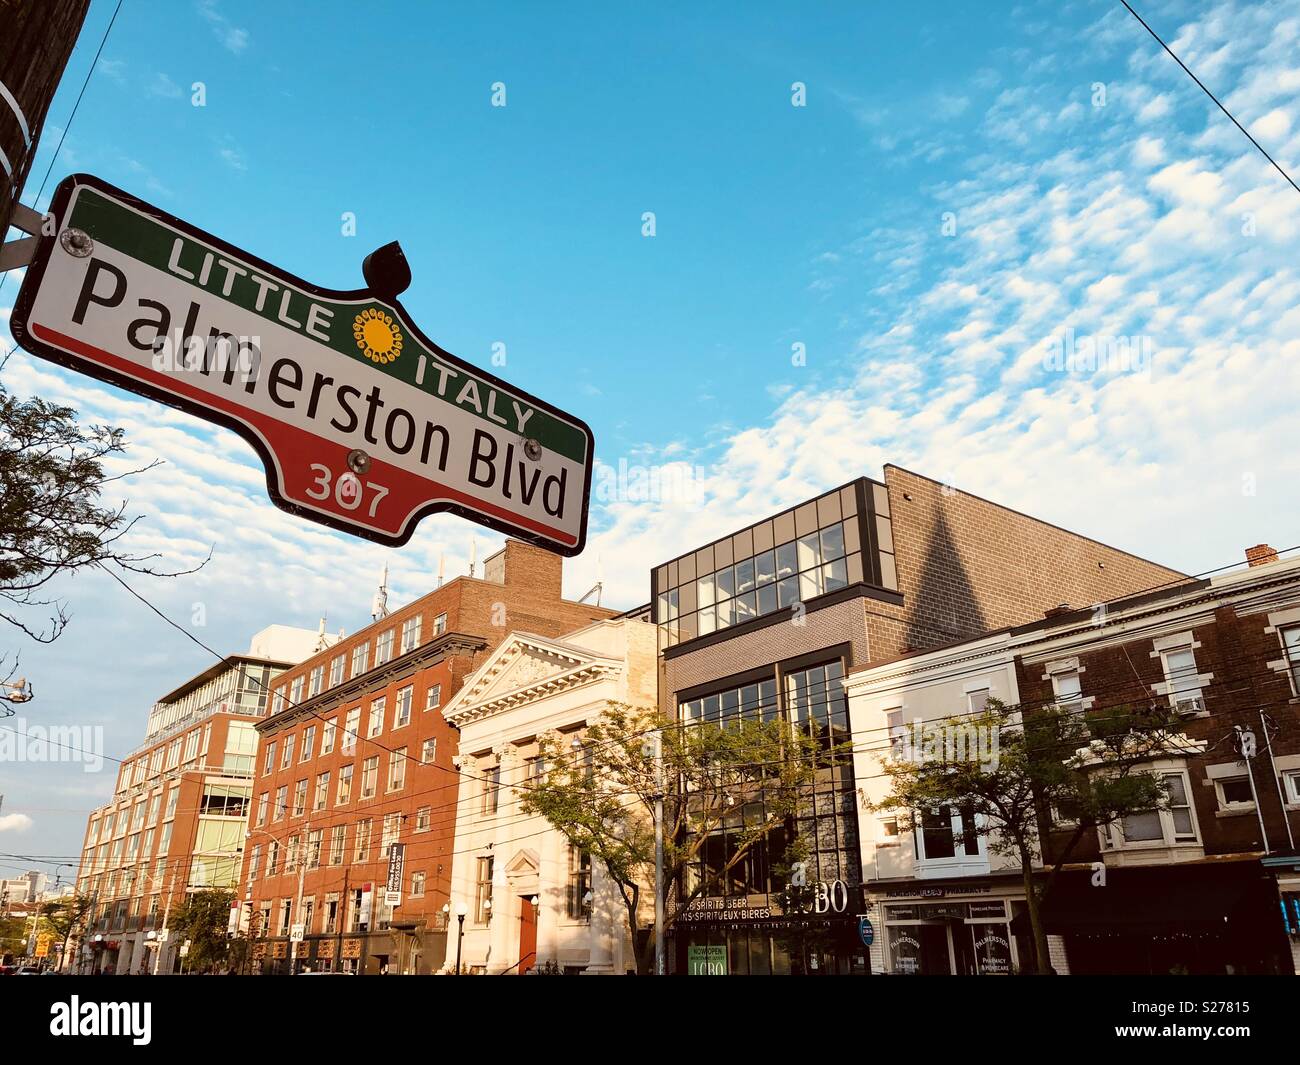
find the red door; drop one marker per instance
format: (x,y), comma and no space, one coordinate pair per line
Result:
(527,935)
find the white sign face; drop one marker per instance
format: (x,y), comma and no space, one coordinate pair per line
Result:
(296,933)
(362,423)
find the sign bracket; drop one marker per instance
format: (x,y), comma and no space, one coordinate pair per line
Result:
(18,253)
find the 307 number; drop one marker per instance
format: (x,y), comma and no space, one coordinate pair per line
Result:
(347,490)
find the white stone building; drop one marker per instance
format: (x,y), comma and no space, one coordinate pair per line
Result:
(530,901)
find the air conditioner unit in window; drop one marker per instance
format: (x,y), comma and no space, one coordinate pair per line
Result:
(1192,704)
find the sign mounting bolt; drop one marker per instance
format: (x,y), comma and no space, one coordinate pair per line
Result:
(532,449)
(358,461)
(76,242)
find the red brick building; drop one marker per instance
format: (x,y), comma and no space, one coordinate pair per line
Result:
(1192,887)
(355,757)
(176,821)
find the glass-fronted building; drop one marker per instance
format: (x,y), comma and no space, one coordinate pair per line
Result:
(763,624)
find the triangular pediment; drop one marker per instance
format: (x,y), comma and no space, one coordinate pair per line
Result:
(520,667)
(523,667)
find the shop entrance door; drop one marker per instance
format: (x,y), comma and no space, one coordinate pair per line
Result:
(936,959)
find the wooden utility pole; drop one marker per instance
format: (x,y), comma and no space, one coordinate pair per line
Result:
(36,39)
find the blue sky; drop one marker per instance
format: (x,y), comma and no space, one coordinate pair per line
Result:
(1091,187)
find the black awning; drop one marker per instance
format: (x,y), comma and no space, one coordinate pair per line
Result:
(1137,900)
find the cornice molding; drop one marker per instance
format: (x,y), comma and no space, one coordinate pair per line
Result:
(436,650)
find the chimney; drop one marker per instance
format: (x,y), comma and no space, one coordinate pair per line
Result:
(1260,555)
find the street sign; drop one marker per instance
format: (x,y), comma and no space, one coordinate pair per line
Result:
(866,931)
(362,423)
(296,933)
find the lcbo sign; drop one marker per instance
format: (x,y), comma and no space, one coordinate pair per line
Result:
(362,423)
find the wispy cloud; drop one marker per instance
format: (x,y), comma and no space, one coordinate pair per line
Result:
(163,86)
(232,37)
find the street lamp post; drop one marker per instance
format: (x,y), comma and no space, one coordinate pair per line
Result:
(461,910)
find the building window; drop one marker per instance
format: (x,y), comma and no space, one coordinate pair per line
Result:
(491,790)
(795,571)
(397,769)
(1291,644)
(433,698)
(300,797)
(345,785)
(440,624)
(417,885)
(369,776)
(483,891)
(277,700)
(322,796)
(331,912)
(377,708)
(351,726)
(327,736)
(254,860)
(946,834)
(411,634)
(336,844)
(281,801)
(402,707)
(1234,793)
(295,690)
(286,758)
(269,763)
(286,916)
(384,647)
(308,743)
(1163,827)
(1066,688)
(1182,681)
(1292,781)
(313,848)
(336,671)
(897,732)
(363,841)
(577,903)
(423,816)
(291,855)
(392,832)
(273,858)
(977,701)
(317,684)
(429,751)
(360,653)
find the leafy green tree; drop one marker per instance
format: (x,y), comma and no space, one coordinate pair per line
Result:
(1055,776)
(203,919)
(67,917)
(601,794)
(54,474)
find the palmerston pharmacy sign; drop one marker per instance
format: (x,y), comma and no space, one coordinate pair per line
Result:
(363,423)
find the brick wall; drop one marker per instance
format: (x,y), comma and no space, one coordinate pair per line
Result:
(1245,659)
(968,566)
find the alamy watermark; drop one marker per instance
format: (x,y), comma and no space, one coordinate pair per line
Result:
(676,483)
(920,741)
(53,743)
(1097,354)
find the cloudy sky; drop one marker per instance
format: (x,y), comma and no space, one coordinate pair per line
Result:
(886,273)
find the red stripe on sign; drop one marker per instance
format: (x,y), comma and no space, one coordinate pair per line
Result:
(289,442)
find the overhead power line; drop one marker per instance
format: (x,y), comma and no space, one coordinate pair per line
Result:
(1276,165)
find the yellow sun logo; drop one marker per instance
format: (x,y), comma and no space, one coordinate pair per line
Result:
(377,335)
